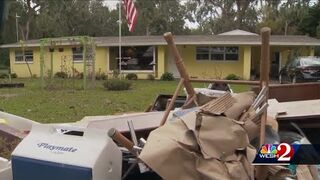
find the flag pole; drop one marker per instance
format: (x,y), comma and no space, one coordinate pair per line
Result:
(120,23)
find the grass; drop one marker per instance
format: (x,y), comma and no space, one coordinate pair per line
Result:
(64,101)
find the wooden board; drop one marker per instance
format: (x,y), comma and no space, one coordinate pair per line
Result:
(295,109)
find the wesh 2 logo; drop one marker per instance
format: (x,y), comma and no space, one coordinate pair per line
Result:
(274,153)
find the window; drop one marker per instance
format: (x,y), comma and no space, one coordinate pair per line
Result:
(232,53)
(217,53)
(203,53)
(28,56)
(136,58)
(77,54)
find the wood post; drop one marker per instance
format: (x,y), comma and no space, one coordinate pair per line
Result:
(121,139)
(179,63)
(261,173)
(173,99)
(264,73)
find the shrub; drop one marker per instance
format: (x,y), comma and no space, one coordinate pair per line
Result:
(101,76)
(131,76)
(117,85)
(115,74)
(150,77)
(3,76)
(232,77)
(14,75)
(61,75)
(167,76)
(79,75)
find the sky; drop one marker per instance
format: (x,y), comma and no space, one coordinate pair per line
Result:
(111,3)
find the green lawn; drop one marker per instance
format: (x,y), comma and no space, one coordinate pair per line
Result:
(64,101)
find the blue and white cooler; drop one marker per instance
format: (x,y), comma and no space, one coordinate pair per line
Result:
(64,153)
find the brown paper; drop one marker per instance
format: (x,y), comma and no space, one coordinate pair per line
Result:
(303,173)
(242,102)
(220,137)
(211,169)
(170,151)
(199,146)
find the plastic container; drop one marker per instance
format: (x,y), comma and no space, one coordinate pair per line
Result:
(64,153)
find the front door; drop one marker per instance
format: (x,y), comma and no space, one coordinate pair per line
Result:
(171,65)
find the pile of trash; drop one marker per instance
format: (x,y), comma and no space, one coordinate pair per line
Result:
(217,140)
(215,136)
(206,142)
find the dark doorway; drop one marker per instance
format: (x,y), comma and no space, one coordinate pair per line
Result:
(275,68)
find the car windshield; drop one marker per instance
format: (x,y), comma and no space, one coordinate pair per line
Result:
(310,61)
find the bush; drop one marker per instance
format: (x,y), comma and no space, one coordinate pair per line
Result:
(167,76)
(3,76)
(115,74)
(14,75)
(150,77)
(79,75)
(232,77)
(61,75)
(131,76)
(117,85)
(101,76)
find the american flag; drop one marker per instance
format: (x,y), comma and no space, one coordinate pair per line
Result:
(131,13)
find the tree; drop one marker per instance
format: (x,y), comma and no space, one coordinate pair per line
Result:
(28,13)
(216,16)
(310,23)
(103,21)
(159,16)
(283,18)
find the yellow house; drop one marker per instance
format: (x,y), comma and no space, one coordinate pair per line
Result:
(205,56)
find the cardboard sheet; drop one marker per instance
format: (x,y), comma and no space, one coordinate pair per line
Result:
(183,149)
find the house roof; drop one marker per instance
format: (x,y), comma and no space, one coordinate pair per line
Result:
(279,40)
(238,32)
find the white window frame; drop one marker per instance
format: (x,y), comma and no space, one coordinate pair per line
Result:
(201,53)
(19,54)
(139,71)
(224,54)
(77,54)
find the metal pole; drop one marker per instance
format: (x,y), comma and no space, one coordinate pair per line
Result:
(120,23)
(84,45)
(17,28)
(51,61)
(42,62)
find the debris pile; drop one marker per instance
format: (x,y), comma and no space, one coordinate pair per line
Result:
(207,142)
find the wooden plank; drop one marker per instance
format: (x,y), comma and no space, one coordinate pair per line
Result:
(299,109)
(225,81)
